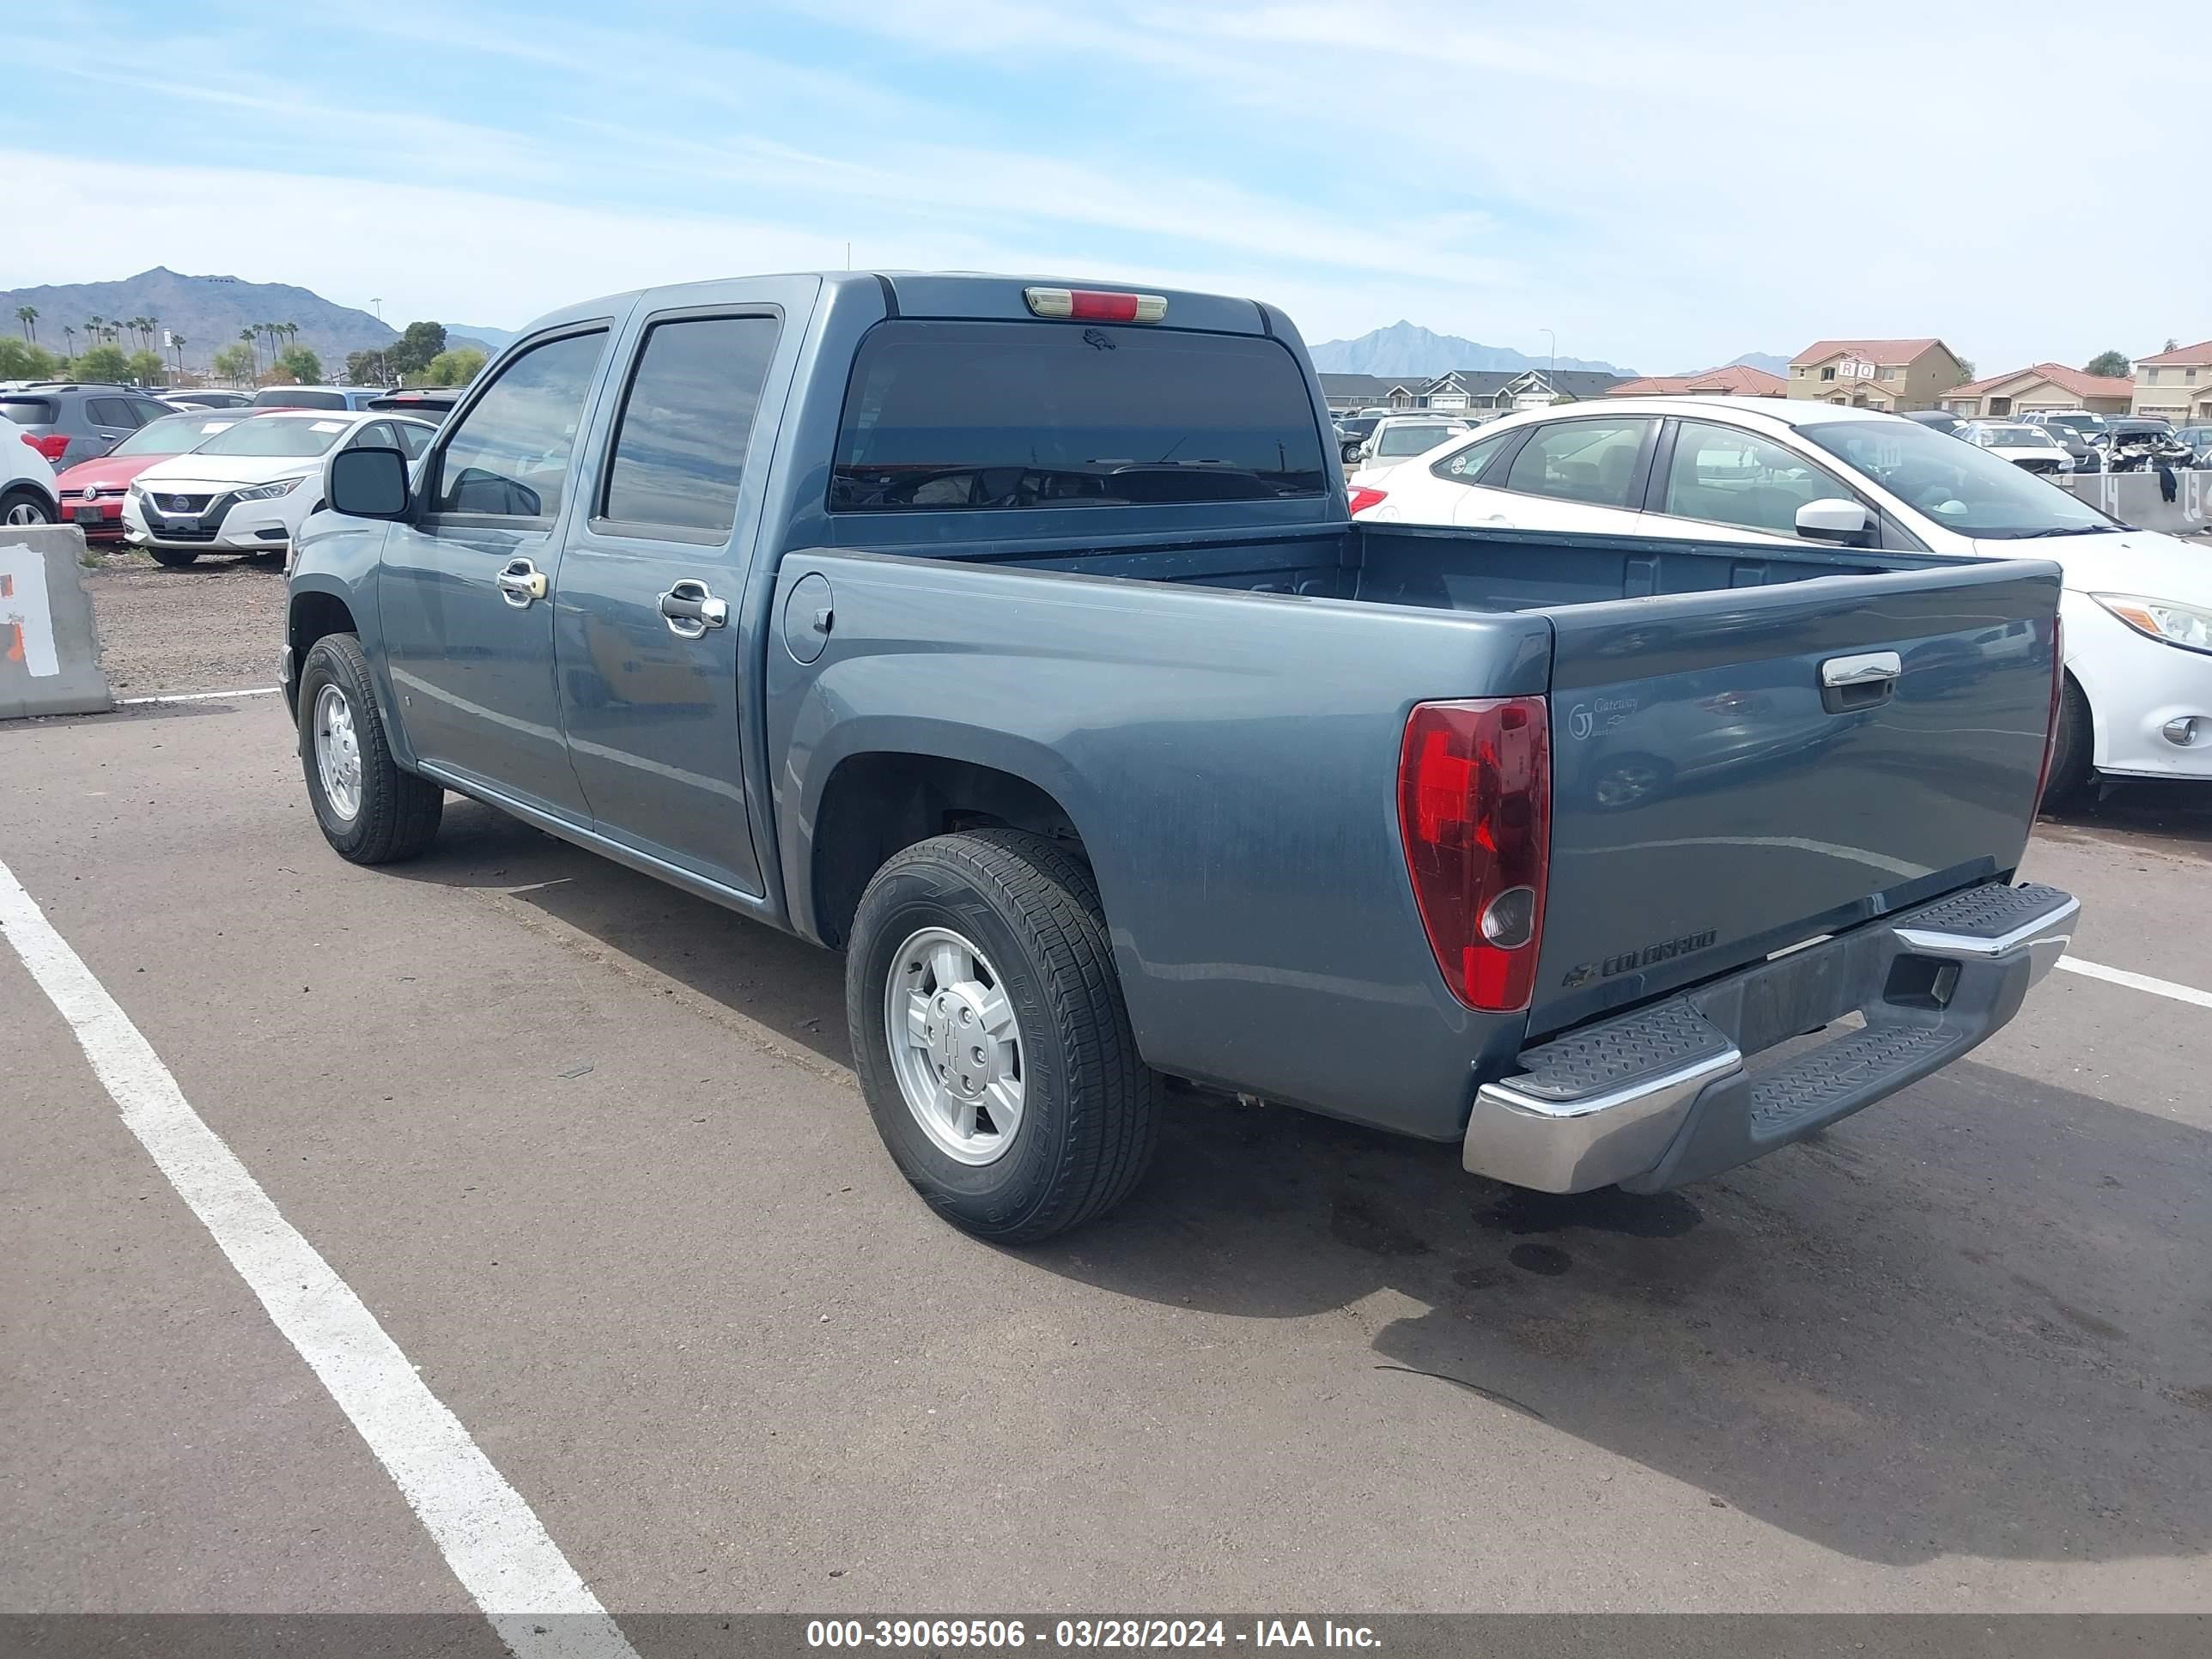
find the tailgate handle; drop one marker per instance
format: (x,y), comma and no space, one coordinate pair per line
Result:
(1847,683)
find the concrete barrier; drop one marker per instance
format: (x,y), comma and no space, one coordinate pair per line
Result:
(49,652)
(2139,499)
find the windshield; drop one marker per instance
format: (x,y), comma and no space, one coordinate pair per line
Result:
(172,435)
(1960,487)
(1400,440)
(2014,437)
(2075,422)
(276,436)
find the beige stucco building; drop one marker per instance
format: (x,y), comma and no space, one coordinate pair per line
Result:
(2043,386)
(1894,376)
(2176,384)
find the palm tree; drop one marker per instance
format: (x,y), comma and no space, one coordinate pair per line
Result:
(91,327)
(69,338)
(177,343)
(28,316)
(252,336)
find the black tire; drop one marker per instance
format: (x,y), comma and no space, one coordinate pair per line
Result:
(174,558)
(1090,1106)
(2070,771)
(30,501)
(399,812)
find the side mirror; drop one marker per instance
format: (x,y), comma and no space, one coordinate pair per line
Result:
(1837,520)
(367,484)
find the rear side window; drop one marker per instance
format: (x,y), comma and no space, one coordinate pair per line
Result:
(1464,466)
(947,416)
(1590,461)
(679,451)
(29,411)
(112,411)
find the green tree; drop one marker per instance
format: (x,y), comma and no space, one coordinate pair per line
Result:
(20,361)
(250,337)
(147,367)
(455,367)
(28,316)
(2112,364)
(102,363)
(305,366)
(2171,344)
(416,345)
(1968,365)
(366,367)
(235,362)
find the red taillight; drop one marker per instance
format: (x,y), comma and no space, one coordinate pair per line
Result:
(1093,305)
(2057,701)
(54,446)
(1362,497)
(1474,807)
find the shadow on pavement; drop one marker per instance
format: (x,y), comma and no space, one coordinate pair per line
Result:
(1974,1320)
(2177,814)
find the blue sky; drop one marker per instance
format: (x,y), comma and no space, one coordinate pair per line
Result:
(1663,187)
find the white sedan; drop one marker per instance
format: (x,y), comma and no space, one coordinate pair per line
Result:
(1399,437)
(247,488)
(2030,448)
(2137,606)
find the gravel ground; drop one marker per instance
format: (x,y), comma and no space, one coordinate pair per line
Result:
(215,627)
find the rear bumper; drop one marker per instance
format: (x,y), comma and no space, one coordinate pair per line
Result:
(1674,1092)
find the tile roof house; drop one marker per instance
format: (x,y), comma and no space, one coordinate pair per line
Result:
(2042,385)
(2176,384)
(1732,380)
(1349,393)
(1886,374)
(1469,391)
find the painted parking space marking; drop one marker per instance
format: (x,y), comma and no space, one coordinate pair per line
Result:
(538,1605)
(200,697)
(2157,987)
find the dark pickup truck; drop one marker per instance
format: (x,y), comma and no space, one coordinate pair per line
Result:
(1014,639)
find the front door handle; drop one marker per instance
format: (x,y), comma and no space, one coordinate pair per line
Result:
(521,582)
(691,609)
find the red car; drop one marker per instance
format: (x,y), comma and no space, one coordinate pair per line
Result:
(91,491)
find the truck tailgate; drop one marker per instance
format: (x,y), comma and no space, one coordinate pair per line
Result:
(1715,800)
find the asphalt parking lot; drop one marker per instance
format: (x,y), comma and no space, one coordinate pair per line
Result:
(589,1153)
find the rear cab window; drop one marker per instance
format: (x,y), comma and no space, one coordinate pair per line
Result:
(944,416)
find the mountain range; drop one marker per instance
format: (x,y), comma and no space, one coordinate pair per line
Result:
(1408,349)
(208,312)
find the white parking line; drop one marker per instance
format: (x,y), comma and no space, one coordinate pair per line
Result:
(2157,987)
(201,697)
(497,1546)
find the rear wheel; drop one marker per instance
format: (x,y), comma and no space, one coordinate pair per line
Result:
(991,1038)
(370,810)
(2070,755)
(25,506)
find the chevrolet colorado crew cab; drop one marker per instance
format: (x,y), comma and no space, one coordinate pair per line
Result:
(1015,639)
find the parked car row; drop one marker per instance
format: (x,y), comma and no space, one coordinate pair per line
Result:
(2137,698)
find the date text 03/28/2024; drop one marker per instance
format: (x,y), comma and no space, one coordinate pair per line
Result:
(1009,1634)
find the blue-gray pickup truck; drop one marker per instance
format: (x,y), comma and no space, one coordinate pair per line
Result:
(1016,640)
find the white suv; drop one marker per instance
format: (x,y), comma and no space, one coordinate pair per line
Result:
(28,494)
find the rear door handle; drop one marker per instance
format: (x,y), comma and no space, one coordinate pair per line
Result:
(690,610)
(521,582)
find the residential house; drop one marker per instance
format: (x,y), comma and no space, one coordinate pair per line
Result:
(1348,394)
(1734,381)
(1475,394)
(2176,384)
(1888,374)
(2045,385)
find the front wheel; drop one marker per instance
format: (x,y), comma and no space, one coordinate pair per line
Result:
(990,1035)
(174,558)
(369,810)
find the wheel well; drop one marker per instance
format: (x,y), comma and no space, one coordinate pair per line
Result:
(876,804)
(315,614)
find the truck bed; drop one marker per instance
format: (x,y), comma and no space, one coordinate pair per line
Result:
(1221,716)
